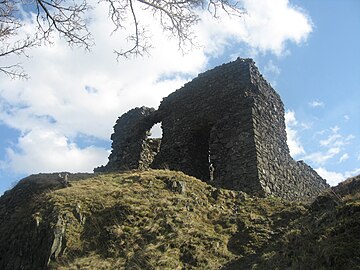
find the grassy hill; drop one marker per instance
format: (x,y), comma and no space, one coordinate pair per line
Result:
(160,219)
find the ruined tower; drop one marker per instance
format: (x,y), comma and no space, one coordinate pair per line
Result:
(228,123)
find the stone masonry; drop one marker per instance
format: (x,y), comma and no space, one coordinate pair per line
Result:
(225,127)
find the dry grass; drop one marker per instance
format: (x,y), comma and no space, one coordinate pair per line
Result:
(136,220)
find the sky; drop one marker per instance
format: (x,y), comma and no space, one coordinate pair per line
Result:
(61,118)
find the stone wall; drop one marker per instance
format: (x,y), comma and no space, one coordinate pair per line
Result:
(131,148)
(211,116)
(278,173)
(225,126)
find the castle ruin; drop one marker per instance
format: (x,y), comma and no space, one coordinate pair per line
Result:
(225,127)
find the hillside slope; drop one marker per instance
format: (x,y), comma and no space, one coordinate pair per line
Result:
(160,219)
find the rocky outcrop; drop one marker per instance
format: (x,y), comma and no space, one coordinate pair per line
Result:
(31,235)
(225,127)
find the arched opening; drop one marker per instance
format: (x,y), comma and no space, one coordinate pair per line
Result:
(151,145)
(155,131)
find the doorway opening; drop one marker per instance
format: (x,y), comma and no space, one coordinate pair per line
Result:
(200,154)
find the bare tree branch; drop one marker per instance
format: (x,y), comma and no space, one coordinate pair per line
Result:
(175,17)
(138,48)
(9,45)
(14,71)
(68,18)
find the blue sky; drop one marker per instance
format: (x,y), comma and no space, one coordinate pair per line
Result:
(61,119)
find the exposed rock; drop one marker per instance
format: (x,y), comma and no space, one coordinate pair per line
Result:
(64,179)
(77,213)
(57,245)
(176,186)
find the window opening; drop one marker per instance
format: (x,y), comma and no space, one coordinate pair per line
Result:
(155,131)
(152,144)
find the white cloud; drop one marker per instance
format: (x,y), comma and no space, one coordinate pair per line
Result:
(269,23)
(335,129)
(320,158)
(293,140)
(290,119)
(334,139)
(266,26)
(72,92)
(332,146)
(333,178)
(346,117)
(316,104)
(320,133)
(44,150)
(349,138)
(344,157)
(270,67)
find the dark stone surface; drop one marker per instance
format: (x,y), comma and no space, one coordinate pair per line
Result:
(131,147)
(228,125)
